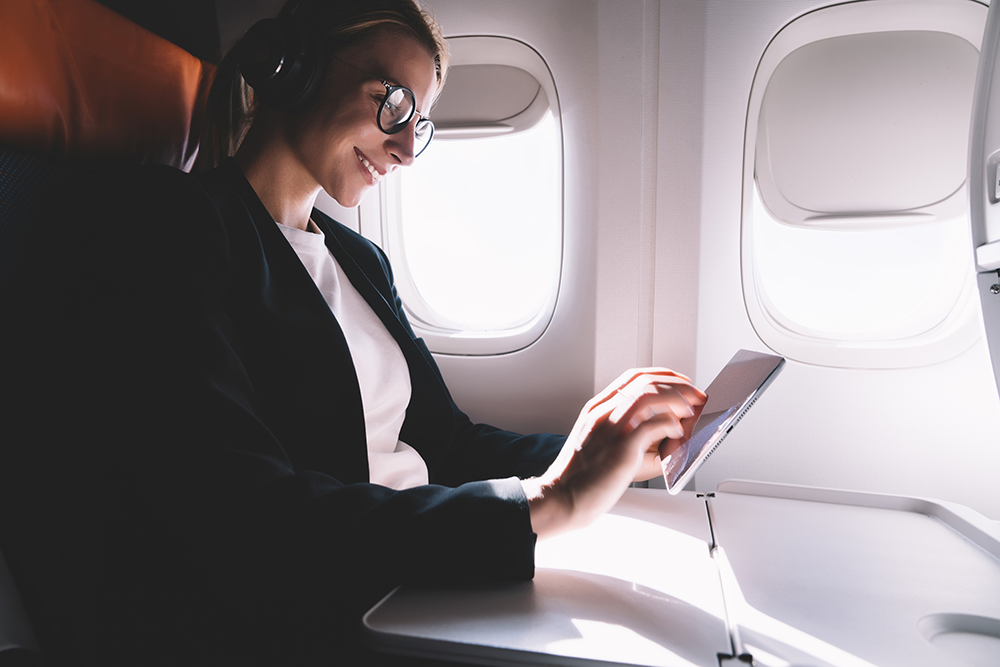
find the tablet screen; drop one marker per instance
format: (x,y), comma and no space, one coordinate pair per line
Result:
(730,395)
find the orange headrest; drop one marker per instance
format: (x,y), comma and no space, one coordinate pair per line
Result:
(78,80)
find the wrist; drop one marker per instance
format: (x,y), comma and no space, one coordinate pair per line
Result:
(545,506)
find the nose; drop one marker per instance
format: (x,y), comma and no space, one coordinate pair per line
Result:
(403,143)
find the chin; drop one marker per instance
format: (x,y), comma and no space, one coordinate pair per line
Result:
(348,199)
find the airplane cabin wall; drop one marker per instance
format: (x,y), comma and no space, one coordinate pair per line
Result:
(928,431)
(654,107)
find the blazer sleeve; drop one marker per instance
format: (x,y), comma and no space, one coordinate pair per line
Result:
(174,477)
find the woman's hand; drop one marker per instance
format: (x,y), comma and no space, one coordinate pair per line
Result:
(614,441)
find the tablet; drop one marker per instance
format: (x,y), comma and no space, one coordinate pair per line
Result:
(730,396)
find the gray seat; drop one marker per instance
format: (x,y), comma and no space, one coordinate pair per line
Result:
(23,177)
(17,641)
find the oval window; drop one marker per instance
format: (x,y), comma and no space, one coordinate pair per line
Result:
(474,227)
(856,248)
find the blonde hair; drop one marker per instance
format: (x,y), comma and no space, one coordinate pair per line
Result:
(230,107)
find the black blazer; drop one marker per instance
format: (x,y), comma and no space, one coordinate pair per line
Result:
(211,495)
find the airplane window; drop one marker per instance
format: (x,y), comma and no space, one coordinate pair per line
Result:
(478,233)
(879,284)
(474,226)
(856,249)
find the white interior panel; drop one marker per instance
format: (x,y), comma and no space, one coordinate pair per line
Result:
(984,186)
(680,188)
(927,431)
(866,125)
(466,101)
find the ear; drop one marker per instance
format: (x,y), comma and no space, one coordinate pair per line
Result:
(282,62)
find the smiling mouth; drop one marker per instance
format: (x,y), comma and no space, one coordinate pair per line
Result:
(376,174)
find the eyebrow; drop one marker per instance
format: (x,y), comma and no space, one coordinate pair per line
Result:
(393,82)
(376,76)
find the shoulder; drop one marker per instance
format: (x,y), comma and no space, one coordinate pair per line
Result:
(159,186)
(157,202)
(161,216)
(216,210)
(221,193)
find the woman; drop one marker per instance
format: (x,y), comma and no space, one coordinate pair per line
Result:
(262,448)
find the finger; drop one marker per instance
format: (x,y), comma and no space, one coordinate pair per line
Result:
(671,444)
(682,383)
(692,395)
(654,400)
(642,383)
(675,387)
(627,378)
(649,469)
(655,372)
(630,453)
(691,422)
(636,416)
(652,431)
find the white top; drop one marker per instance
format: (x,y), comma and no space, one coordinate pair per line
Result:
(382,372)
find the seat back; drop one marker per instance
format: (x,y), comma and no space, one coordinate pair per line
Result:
(15,629)
(77,82)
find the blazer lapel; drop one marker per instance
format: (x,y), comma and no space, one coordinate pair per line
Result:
(297,348)
(429,412)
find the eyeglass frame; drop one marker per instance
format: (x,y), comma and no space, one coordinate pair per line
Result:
(389,90)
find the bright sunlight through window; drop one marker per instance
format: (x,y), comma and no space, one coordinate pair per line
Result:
(860,284)
(856,245)
(481,229)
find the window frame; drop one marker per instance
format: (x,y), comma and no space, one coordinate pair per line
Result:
(381,216)
(960,329)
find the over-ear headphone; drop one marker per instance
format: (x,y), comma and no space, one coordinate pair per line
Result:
(283,62)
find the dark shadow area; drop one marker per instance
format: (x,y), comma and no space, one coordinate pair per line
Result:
(190,24)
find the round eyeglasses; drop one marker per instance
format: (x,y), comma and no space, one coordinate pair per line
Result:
(398,108)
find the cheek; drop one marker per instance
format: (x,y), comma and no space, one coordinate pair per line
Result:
(326,149)
(334,136)
(305,136)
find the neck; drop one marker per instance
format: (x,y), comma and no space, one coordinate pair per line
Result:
(286,190)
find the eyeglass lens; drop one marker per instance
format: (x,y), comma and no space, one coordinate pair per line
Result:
(396,112)
(422,134)
(397,109)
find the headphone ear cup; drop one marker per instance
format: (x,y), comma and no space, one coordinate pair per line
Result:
(282,63)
